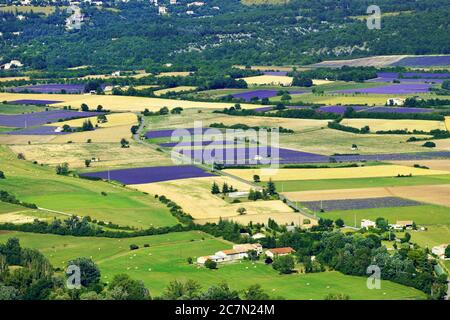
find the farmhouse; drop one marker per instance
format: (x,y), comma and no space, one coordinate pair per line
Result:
(440,250)
(367,224)
(405,224)
(10,65)
(279,252)
(395,102)
(258,236)
(239,252)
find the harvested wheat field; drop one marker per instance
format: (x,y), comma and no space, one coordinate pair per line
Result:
(6,79)
(25,139)
(332,173)
(118,103)
(174,74)
(386,125)
(376,61)
(255,121)
(175,89)
(281,218)
(109,155)
(112,134)
(16,218)
(434,194)
(194,196)
(432,164)
(113,120)
(269,80)
(447,123)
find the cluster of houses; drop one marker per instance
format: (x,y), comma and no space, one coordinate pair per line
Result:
(241,251)
(439,251)
(399,226)
(163,6)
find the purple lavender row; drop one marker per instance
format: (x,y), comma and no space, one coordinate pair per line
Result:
(261,94)
(40,118)
(356,204)
(392,89)
(51,88)
(150,174)
(426,61)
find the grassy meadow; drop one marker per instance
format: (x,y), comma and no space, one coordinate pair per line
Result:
(165,261)
(40,185)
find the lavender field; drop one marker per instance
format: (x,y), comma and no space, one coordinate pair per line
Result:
(405,88)
(35,102)
(150,174)
(356,204)
(40,118)
(38,131)
(426,61)
(340,109)
(399,110)
(261,94)
(51,88)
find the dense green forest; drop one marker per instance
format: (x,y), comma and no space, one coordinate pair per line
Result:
(132,35)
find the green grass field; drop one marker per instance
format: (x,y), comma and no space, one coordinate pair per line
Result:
(41,185)
(435,235)
(165,261)
(355,183)
(18,108)
(26,9)
(422,215)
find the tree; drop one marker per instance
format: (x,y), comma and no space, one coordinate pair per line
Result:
(176,110)
(102,118)
(429,144)
(124,143)
(256,178)
(284,264)
(62,169)
(99,108)
(447,252)
(255,292)
(406,238)
(87,163)
(2,175)
(122,287)
(84,107)
(339,223)
(253,255)
(163,111)
(87,126)
(225,188)
(177,290)
(271,189)
(302,82)
(382,224)
(220,292)
(242,211)
(66,128)
(215,188)
(210,264)
(12,251)
(89,271)
(446,85)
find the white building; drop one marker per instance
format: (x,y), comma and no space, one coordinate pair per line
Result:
(258,236)
(368,224)
(173,2)
(395,102)
(196,4)
(239,252)
(279,252)
(12,64)
(440,250)
(162,10)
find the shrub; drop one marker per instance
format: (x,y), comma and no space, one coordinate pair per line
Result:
(284,264)
(429,144)
(210,264)
(2,175)
(134,247)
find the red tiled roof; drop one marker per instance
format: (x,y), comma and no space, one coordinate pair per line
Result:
(285,250)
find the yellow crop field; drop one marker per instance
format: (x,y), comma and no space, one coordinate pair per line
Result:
(111,134)
(332,173)
(432,164)
(6,79)
(113,120)
(194,196)
(118,103)
(386,125)
(175,89)
(269,80)
(25,139)
(174,74)
(447,123)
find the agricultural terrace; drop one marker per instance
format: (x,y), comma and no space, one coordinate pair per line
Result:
(386,125)
(194,196)
(6,79)
(277,80)
(106,155)
(165,261)
(332,173)
(117,103)
(174,74)
(376,61)
(99,200)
